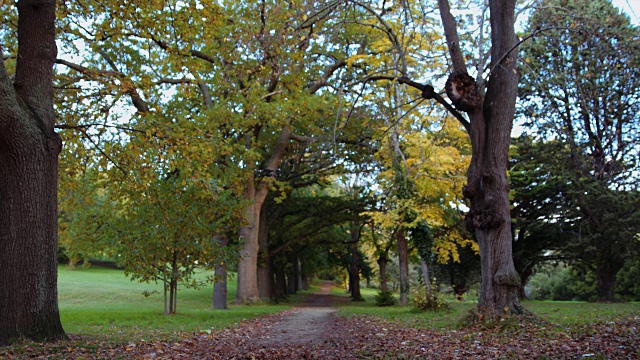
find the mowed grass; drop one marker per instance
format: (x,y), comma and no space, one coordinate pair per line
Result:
(104,303)
(561,313)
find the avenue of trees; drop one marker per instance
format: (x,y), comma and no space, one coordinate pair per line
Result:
(285,140)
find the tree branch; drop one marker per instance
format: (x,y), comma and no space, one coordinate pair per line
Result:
(428,93)
(88,71)
(451,33)
(322,81)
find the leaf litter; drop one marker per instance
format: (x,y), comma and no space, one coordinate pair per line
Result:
(360,337)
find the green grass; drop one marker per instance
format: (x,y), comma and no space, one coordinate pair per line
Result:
(104,303)
(407,315)
(578,313)
(563,313)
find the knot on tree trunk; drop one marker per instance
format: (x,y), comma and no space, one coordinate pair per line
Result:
(469,191)
(486,219)
(428,92)
(463,91)
(508,278)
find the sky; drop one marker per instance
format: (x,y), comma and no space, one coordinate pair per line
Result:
(631,8)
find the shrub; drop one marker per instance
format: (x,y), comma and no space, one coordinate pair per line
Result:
(423,302)
(385,298)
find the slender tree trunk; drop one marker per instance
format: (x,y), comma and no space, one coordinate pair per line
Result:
(426,277)
(354,271)
(294,274)
(264,261)
(281,282)
(173,296)
(220,282)
(300,284)
(165,286)
(382,265)
(354,275)
(29,149)
(403,260)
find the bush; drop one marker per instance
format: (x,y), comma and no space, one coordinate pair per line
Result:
(562,283)
(423,302)
(385,298)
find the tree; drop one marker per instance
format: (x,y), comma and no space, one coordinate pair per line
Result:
(490,119)
(164,231)
(544,215)
(490,106)
(28,182)
(245,76)
(581,87)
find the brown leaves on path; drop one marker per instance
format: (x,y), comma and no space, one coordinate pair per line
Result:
(367,337)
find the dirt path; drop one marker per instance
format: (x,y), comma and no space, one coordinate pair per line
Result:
(310,323)
(314,331)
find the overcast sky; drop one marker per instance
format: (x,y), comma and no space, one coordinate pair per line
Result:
(631,7)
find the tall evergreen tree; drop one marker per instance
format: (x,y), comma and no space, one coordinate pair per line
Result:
(581,86)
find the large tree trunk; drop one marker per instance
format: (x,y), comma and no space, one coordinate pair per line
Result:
(220,282)
(248,265)
(265,275)
(490,131)
(29,150)
(403,261)
(607,269)
(249,233)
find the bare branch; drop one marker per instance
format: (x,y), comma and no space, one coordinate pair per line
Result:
(428,92)
(174,81)
(88,71)
(451,33)
(206,94)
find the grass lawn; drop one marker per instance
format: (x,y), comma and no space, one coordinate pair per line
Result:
(562,313)
(104,303)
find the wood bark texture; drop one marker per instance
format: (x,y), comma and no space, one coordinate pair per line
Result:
(29,149)
(491,120)
(249,233)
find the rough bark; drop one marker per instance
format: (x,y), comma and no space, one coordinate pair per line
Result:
(490,130)
(29,150)
(220,283)
(247,291)
(403,261)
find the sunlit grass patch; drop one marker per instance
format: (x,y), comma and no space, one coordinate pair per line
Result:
(105,304)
